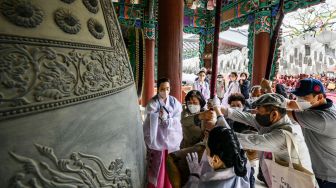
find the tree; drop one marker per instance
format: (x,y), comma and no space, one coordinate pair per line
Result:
(313,20)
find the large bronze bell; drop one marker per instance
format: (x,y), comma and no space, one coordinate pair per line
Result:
(69,115)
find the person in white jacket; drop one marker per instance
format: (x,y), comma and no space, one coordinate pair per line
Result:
(227,159)
(233,87)
(162,133)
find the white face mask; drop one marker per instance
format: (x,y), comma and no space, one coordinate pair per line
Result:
(303,104)
(194,108)
(210,160)
(238,108)
(164,94)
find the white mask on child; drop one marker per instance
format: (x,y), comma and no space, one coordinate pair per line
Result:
(164,94)
(238,108)
(194,108)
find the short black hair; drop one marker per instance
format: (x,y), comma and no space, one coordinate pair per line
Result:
(160,81)
(234,73)
(198,95)
(224,143)
(201,72)
(237,97)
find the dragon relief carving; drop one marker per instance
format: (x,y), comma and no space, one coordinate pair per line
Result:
(79,171)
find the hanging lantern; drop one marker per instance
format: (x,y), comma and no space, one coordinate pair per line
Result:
(321,57)
(305,60)
(296,62)
(291,59)
(307,39)
(296,52)
(327,38)
(310,62)
(307,50)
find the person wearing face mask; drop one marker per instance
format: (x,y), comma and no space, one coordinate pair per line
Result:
(178,166)
(234,87)
(244,85)
(201,85)
(162,133)
(317,116)
(237,101)
(227,160)
(255,92)
(191,122)
(220,87)
(270,120)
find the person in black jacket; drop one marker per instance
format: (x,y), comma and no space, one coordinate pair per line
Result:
(244,85)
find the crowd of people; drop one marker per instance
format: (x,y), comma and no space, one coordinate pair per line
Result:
(290,81)
(216,142)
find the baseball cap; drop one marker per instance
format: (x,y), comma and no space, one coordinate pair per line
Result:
(272,99)
(308,86)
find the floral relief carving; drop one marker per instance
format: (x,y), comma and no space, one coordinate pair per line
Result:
(95,28)
(80,170)
(94,77)
(22,13)
(35,78)
(91,5)
(56,81)
(30,75)
(66,21)
(13,69)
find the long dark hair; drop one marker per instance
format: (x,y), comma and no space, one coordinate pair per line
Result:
(224,143)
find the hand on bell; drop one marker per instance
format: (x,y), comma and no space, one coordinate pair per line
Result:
(208,115)
(213,102)
(194,166)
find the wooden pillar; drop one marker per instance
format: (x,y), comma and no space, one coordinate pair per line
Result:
(148,90)
(170,43)
(261,46)
(208,56)
(149,27)
(215,50)
(261,51)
